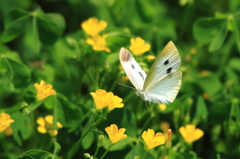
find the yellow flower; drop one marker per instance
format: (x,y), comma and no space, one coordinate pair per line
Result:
(5,121)
(152,140)
(138,46)
(44,90)
(98,43)
(150,57)
(46,125)
(190,133)
(114,134)
(93,26)
(162,106)
(104,99)
(116,103)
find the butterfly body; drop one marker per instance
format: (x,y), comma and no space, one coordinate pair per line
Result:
(163,81)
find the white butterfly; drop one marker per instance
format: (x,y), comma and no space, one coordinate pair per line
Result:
(163,81)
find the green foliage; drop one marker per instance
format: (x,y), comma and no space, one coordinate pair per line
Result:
(43,40)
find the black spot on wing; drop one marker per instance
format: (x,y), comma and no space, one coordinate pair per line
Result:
(166,62)
(169,70)
(132,66)
(141,75)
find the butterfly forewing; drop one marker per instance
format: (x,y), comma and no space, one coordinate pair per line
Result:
(166,63)
(165,91)
(134,72)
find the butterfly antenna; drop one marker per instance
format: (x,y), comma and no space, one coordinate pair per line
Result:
(124,85)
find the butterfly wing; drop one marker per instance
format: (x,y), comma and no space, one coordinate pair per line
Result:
(166,63)
(166,90)
(134,72)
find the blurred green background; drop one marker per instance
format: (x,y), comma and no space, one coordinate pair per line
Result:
(43,40)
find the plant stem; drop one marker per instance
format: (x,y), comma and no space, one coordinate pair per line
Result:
(75,148)
(144,155)
(106,151)
(95,154)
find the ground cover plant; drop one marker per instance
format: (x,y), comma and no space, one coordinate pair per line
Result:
(60,79)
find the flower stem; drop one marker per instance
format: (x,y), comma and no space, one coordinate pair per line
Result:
(95,154)
(75,148)
(101,118)
(144,155)
(106,151)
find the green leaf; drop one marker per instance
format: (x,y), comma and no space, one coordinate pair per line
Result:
(219,112)
(210,84)
(234,64)
(138,150)
(234,119)
(38,154)
(18,73)
(201,109)
(112,58)
(35,105)
(50,27)
(175,155)
(15,23)
(88,140)
(57,148)
(21,125)
(190,155)
(210,30)
(68,114)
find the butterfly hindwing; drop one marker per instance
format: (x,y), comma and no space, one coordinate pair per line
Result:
(166,90)
(166,63)
(134,72)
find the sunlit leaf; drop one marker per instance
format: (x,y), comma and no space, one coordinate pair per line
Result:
(210,30)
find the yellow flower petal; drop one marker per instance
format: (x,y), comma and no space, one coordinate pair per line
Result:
(59,125)
(49,119)
(162,106)
(41,121)
(104,99)
(41,129)
(114,134)
(98,43)
(5,121)
(152,140)
(93,26)
(190,133)
(44,90)
(138,46)
(46,125)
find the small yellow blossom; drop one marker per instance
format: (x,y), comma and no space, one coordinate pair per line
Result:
(151,139)
(93,26)
(138,46)
(44,90)
(98,43)
(46,125)
(190,133)
(104,99)
(150,57)
(162,106)
(114,134)
(5,121)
